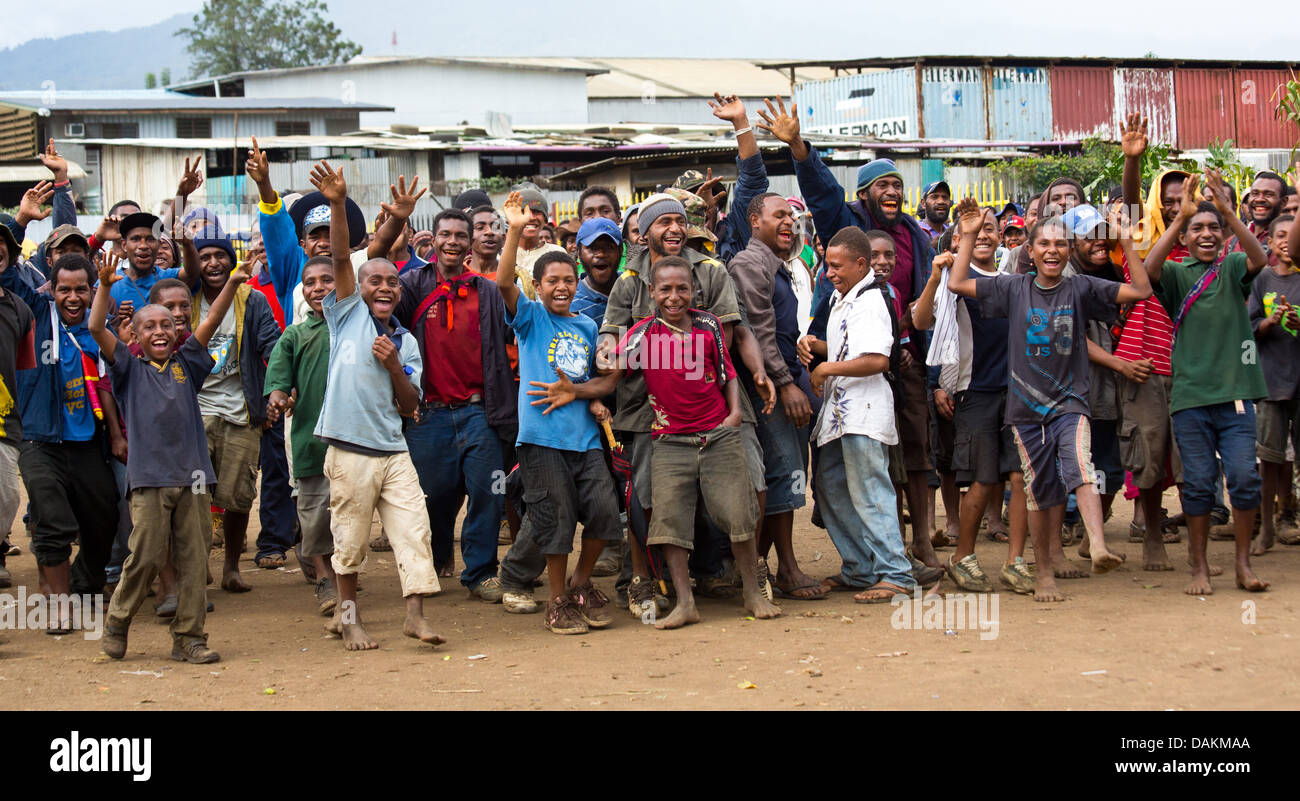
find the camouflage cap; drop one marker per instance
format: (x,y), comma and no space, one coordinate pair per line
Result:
(696,212)
(689,180)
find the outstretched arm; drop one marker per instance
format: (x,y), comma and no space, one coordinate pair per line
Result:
(1256,258)
(397,213)
(335,189)
(98,322)
(970,217)
(1139,286)
(1134,145)
(1155,260)
(203,333)
(516,217)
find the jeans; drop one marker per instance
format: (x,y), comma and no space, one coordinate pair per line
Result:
(121,541)
(277,511)
(1204,431)
(859,507)
(457,454)
(73,500)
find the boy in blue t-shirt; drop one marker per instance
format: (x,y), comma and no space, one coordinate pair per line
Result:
(373,380)
(560,456)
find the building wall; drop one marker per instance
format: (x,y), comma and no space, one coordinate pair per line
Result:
(224,125)
(429,94)
(660,110)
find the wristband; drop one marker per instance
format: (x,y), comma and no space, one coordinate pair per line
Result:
(64,184)
(745,130)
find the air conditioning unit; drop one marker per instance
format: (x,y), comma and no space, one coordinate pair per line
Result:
(76,129)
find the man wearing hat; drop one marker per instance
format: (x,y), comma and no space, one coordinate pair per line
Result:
(140,243)
(233,402)
(698,235)
(531,246)
(600,246)
(879,205)
(936,202)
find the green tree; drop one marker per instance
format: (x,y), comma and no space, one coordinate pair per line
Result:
(150,81)
(165,78)
(238,35)
(1098,166)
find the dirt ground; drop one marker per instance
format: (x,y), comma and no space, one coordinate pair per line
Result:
(1125,640)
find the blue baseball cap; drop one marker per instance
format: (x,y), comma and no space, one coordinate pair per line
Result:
(1082,220)
(933,185)
(595,228)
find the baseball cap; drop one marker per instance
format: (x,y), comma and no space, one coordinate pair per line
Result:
(595,228)
(63,233)
(1013,221)
(1082,219)
(315,206)
(933,185)
(532,197)
(471,198)
(141,219)
(689,180)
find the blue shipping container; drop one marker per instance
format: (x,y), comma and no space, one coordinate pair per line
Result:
(872,105)
(1021,103)
(953,103)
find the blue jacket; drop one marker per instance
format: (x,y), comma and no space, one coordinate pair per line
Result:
(284,256)
(40,390)
(735,230)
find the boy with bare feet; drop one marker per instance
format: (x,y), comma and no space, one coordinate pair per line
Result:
(374,373)
(560,456)
(1216,376)
(168,469)
(697,448)
(1047,401)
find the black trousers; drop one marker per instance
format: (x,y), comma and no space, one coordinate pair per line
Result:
(73,499)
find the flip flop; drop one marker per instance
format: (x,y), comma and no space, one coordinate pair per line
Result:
(836,584)
(789,592)
(890,591)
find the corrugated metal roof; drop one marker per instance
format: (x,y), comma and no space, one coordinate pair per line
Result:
(164,100)
(15,172)
(1203,103)
(274,143)
(1083,101)
(1256,124)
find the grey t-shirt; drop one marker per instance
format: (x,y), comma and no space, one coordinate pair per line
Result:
(1046,340)
(1279,352)
(160,403)
(223,392)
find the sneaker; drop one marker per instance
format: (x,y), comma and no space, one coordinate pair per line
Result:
(924,575)
(113,642)
(967,574)
(196,652)
(593,605)
(488,590)
(610,562)
(563,617)
(640,596)
(327,596)
(519,603)
(1018,576)
(166,609)
(764,579)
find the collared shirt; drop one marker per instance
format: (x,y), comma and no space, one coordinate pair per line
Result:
(859,324)
(684,372)
(136,290)
(301,361)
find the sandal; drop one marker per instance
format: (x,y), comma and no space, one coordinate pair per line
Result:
(881,593)
(997,536)
(270,562)
(819,592)
(836,584)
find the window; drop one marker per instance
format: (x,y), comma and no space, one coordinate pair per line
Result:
(113,130)
(293,128)
(193,127)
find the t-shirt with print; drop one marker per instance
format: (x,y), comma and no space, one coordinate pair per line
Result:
(136,290)
(1214,358)
(223,392)
(548,342)
(1047,340)
(360,408)
(17,352)
(684,372)
(79,424)
(1279,350)
(858,325)
(160,406)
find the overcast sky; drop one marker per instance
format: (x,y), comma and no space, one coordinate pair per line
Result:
(759,29)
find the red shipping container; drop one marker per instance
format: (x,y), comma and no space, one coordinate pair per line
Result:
(1257,126)
(1082,102)
(1203,100)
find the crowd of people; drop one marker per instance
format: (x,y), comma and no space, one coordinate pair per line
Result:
(667,379)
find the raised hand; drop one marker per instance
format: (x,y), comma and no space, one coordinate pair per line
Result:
(1134,138)
(970,217)
(54,162)
(108,230)
(242,273)
(728,108)
(1118,222)
(191,179)
(330,183)
(29,208)
(706,190)
(106,266)
(1219,192)
(256,167)
(781,124)
(1191,196)
(404,197)
(516,214)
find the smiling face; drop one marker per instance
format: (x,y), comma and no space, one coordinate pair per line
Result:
(451,243)
(177,303)
(600,261)
(937,205)
(214,268)
(1203,236)
(555,290)
(1278,241)
(317,282)
(1014,237)
(1292,204)
(844,269)
(166,258)
(883,257)
(774,225)
(673,293)
(634,232)
(1265,200)
(72,294)
(1061,198)
(486,243)
(141,248)
(1093,250)
(667,235)
(317,242)
(884,199)
(1050,250)
(155,330)
(986,241)
(380,289)
(66,247)
(1171,196)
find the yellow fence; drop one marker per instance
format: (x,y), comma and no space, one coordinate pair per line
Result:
(563,211)
(986,193)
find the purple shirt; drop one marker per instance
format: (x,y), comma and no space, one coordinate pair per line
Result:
(901,278)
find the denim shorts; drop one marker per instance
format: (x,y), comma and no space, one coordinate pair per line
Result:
(784,449)
(1204,431)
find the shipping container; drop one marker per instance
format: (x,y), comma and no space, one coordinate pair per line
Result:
(1149,92)
(1083,102)
(1257,126)
(873,105)
(1020,104)
(1203,100)
(953,103)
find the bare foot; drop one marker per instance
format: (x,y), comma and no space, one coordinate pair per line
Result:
(420,629)
(1248,581)
(231,581)
(1045,590)
(1107,561)
(1065,569)
(760,607)
(1154,557)
(923,550)
(335,626)
(356,639)
(1085,548)
(1200,585)
(1260,546)
(682,615)
(1214,570)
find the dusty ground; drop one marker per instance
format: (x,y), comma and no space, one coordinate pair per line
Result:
(1158,648)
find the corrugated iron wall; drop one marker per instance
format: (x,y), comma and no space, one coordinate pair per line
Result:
(879,105)
(1020,103)
(146,175)
(953,99)
(17,133)
(1083,101)
(1203,100)
(1256,124)
(1149,92)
